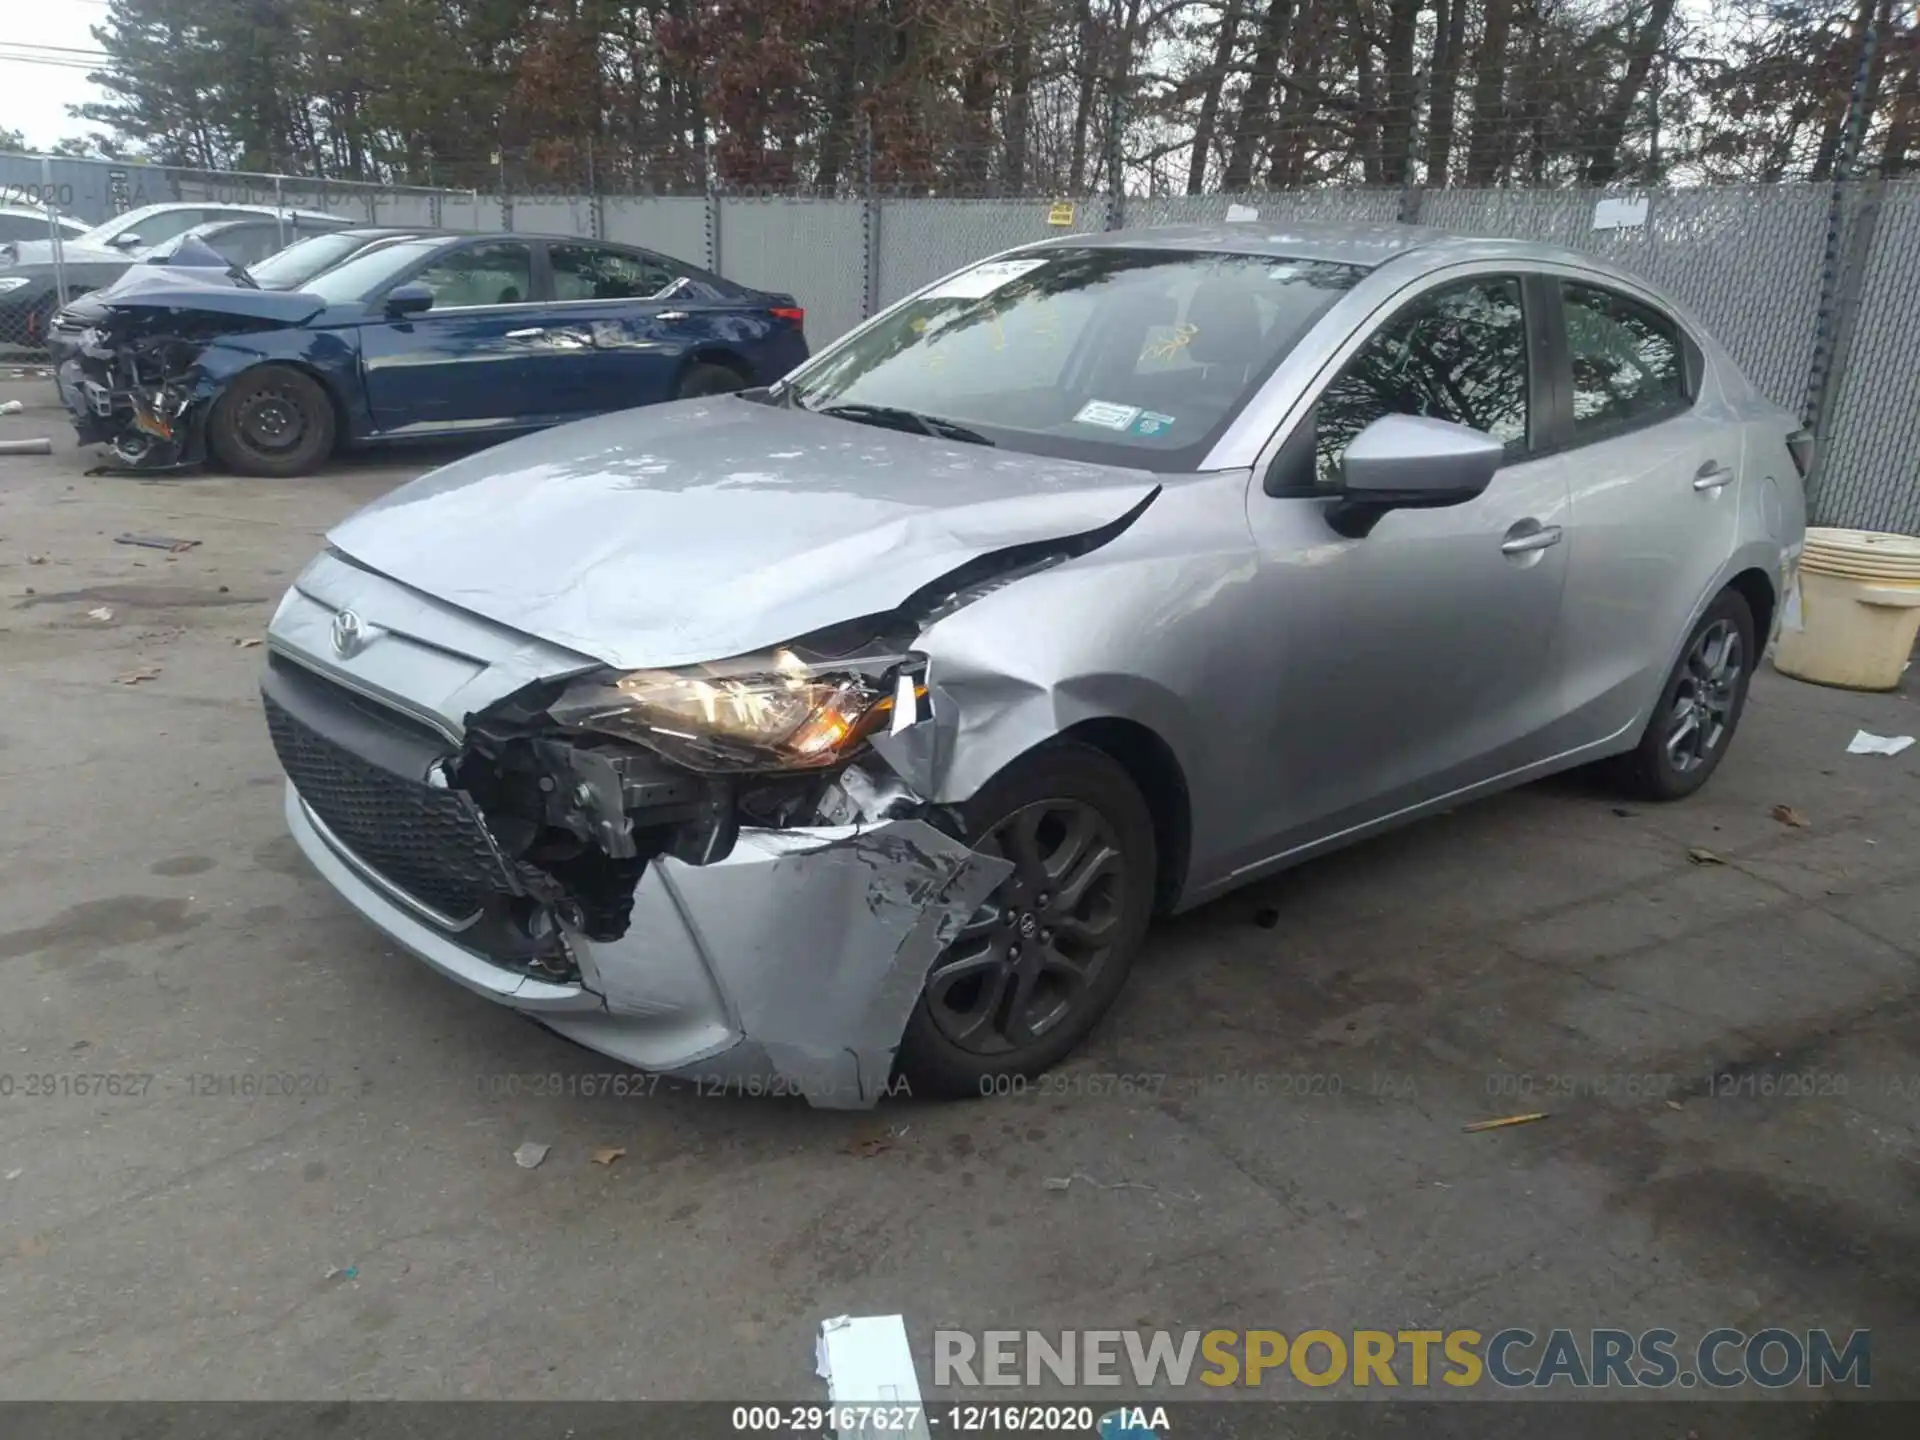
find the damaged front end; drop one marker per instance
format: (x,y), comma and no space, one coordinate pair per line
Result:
(138,394)
(708,872)
(137,382)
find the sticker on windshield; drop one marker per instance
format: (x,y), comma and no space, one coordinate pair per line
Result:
(1107,415)
(983,280)
(1151,422)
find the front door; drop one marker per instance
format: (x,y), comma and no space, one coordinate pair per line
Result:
(1419,659)
(470,362)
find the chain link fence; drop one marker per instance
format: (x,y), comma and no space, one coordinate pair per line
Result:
(1808,286)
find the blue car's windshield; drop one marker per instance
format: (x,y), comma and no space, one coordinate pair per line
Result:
(1135,357)
(291,268)
(367,273)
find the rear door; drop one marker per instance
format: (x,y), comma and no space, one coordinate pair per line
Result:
(1655,498)
(469,363)
(617,334)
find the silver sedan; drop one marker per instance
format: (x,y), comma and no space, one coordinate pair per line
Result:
(846,736)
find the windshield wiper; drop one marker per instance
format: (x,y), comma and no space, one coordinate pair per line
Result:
(896,418)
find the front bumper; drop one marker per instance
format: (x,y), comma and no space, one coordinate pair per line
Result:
(794,962)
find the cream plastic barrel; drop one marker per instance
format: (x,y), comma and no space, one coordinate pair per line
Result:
(1856,612)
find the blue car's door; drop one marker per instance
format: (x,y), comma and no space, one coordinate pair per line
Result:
(623,331)
(472,362)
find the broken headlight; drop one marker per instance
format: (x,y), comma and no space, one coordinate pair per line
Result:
(774,711)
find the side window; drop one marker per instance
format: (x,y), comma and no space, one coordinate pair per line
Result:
(592,272)
(1458,353)
(497,274)
(1628,364)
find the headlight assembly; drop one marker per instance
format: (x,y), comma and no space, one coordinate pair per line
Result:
(773,711)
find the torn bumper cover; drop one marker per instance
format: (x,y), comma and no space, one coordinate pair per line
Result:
(794,962)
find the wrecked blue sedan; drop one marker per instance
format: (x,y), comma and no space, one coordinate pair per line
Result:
(436,337)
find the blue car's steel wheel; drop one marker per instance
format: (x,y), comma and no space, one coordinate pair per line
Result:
(1042,960)
(273,420)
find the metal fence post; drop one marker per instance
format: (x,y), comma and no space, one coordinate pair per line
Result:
(1116,180)
(870,254)
(596,216)
(1830,380)
(1825,325)
(49,198)
(279,213)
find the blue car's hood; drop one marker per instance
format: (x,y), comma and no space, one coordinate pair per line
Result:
(708,528)
(179,291)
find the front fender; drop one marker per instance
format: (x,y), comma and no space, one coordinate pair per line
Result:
(331,357)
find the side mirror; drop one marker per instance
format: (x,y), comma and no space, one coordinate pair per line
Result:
(409,299)
(127,240)
(1407,462)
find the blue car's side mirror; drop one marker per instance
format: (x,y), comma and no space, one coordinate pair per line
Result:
(409,299)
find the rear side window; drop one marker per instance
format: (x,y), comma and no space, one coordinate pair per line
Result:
(1458,353)
(1629,366)
(594,272)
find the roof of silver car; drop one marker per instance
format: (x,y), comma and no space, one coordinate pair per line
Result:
(1359,243)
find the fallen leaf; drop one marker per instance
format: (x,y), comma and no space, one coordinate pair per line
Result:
(247,642)
(100,612)
(1504,1121)
(1673,1105)
(607,1154)
(1700,855)
(530,1154)
(1787,815)
(868,1146)
(134,677)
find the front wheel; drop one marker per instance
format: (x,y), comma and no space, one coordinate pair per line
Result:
(1044,958)
(1699,706)
(274,421)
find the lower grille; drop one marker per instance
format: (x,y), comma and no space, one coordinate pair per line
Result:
(426,841)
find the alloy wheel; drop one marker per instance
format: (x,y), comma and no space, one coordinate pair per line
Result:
(1703,701)
(1038,945)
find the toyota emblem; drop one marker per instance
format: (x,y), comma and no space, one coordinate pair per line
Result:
(349,635)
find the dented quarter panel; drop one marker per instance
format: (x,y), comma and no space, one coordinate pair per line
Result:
(707,528)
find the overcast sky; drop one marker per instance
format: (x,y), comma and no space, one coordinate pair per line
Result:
(34,98)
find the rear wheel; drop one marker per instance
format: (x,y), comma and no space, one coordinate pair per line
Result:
(703,379)
(1699,706)
(1044,958)
(274,421)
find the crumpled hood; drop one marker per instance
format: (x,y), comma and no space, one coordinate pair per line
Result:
(186,293)
(709,528)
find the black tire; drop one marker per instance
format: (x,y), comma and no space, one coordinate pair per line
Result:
(1699,708)
(1076,955)
(703,379)
(274,421)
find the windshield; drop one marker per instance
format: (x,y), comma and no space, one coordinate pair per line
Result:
(369,271)
(292,267)
(1129,357)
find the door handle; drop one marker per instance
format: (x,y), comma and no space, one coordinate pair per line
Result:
(1712,476)
(535,333)
(1541,539)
